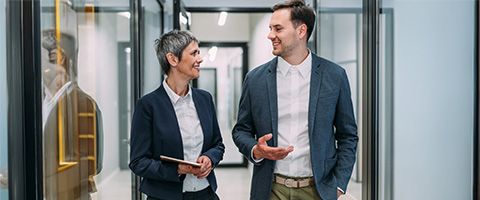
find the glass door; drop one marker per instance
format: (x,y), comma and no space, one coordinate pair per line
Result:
(154,18)
(82,99)
(339,35)
(151,27)
(427,98)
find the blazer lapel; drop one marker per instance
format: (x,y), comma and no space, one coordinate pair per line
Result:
(315,84)
(170,114)
(272,98)
(202,112)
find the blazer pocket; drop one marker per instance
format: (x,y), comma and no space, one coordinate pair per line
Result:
(329,98)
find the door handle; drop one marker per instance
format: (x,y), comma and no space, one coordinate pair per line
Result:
(3,179)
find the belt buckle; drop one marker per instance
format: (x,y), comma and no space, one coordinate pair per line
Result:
(290,183)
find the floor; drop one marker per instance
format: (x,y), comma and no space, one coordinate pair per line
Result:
(234,184)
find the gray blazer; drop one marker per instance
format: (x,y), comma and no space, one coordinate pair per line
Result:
(330,121)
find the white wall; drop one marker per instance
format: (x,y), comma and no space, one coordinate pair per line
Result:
(260,48)
(433,99)
(236,28)
(3,99)
(98,76)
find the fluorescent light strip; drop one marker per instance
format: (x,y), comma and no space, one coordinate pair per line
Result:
(222,18)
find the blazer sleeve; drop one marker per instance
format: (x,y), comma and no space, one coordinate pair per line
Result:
(346,134)
(243,132)
(142,162)
(217,149)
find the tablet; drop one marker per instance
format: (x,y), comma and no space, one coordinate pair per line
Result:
(170,159)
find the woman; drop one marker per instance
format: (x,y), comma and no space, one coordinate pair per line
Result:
(178,121)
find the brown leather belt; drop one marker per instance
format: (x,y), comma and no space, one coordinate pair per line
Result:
(292,182)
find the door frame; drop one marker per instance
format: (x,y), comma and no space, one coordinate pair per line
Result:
(136,37)
(24,100)
(244,47)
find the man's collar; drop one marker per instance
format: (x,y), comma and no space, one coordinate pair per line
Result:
(304,68)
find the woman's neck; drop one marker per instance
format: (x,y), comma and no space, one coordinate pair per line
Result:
(180,87)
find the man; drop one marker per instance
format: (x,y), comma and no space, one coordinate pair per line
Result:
(72,120)
(299,108)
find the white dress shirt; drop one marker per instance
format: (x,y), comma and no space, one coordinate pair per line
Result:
(293,91)
(192,134)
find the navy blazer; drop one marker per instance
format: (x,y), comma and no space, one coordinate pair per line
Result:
(155,131)
(331,126)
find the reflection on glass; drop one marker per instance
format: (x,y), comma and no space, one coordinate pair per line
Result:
(3,108)
(72,124)
(339,35)
(103,72)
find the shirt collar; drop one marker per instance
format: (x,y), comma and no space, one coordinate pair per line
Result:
(304,68)
(174,97)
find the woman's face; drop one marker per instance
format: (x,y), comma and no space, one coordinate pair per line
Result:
(189,65)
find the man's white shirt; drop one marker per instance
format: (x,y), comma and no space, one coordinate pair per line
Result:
(293,91)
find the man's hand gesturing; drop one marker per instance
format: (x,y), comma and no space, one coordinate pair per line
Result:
(262,150)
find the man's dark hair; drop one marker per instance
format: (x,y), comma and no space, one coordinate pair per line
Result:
(173,42)
(299,14)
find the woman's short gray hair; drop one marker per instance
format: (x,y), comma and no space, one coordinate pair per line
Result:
(172,42)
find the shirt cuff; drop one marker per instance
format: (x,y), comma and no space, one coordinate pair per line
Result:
(253,158)
(340,189)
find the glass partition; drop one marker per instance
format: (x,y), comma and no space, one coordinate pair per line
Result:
(339,40)
(427,90)
(85,59)
(151,29)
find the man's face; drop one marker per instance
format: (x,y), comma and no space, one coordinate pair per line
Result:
(54,70)
(283,34)
(189,66)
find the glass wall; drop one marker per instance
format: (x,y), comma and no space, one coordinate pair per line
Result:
(427,99)
(85,50)
(3,107)
(339,33)
(151,29)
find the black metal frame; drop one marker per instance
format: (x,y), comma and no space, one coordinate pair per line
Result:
(371,13)
(24,100)
(179,7)
(244,47)
(136,89)
(136,24)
